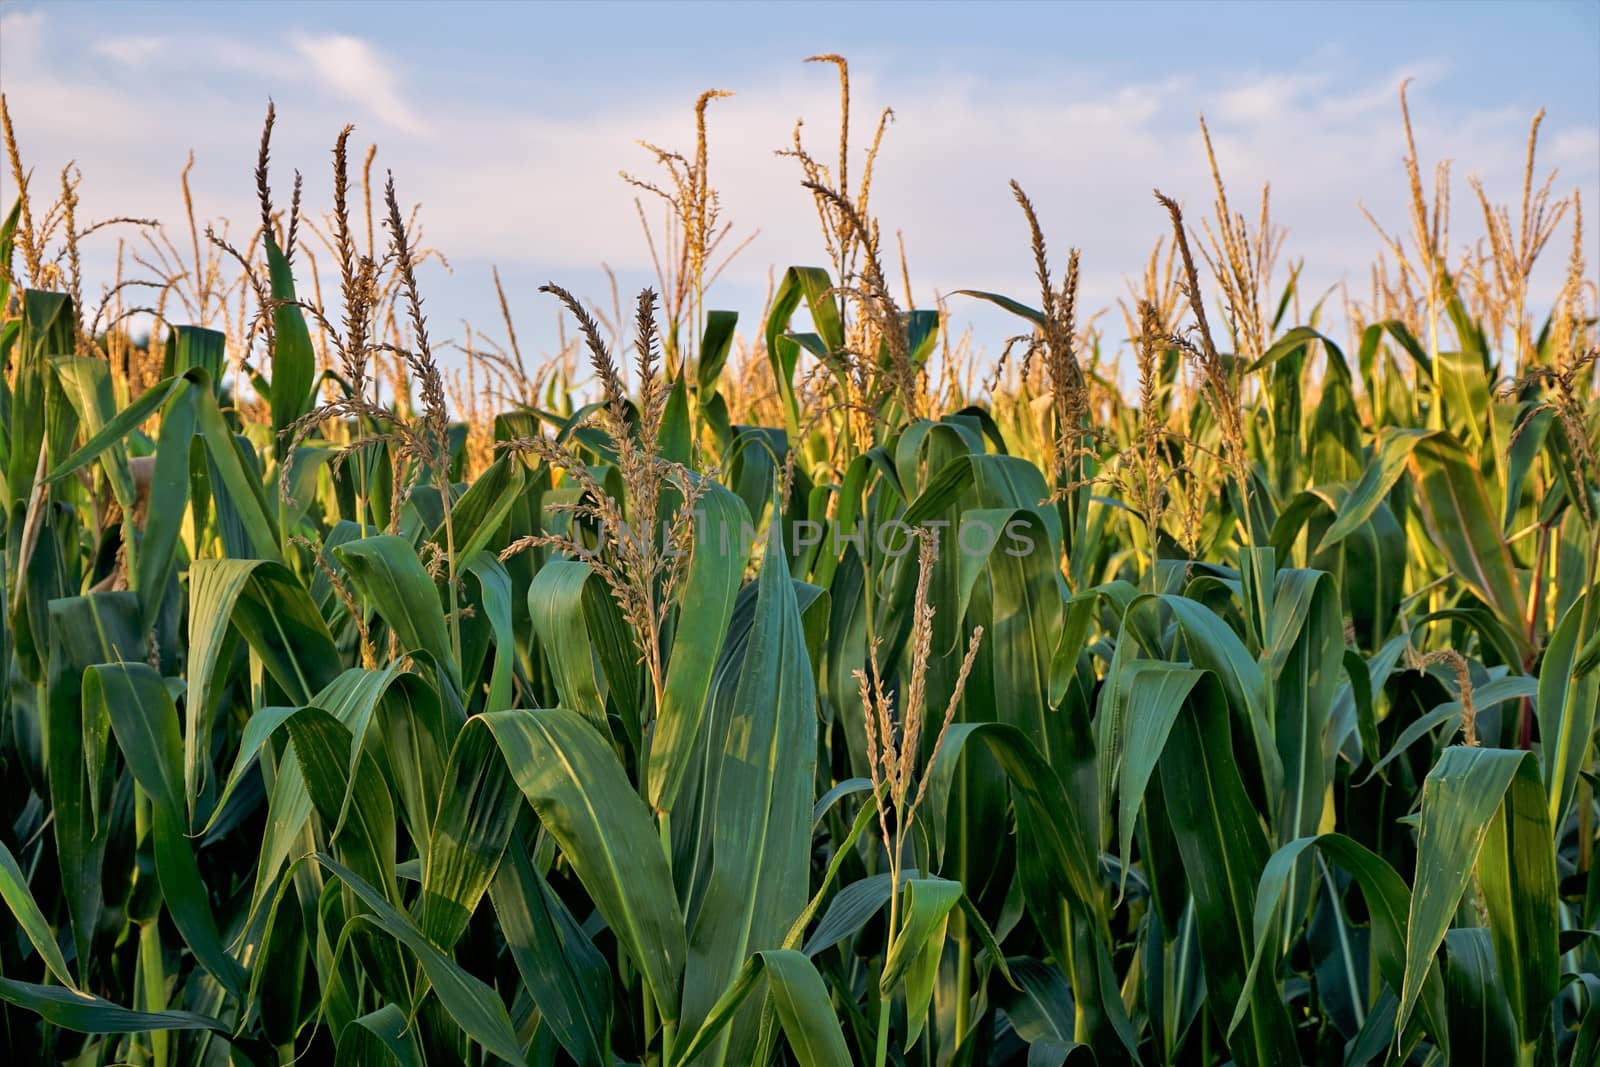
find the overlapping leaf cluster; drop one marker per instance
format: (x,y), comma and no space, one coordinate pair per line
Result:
(326,741)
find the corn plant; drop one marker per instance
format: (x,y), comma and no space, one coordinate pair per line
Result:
(864,718)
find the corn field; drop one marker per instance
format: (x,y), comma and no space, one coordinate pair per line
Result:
(810,684)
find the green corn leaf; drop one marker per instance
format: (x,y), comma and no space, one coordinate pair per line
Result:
(1482,1029)
(714,349)
(356,816)
(1053,826)
(1388,903)
(235,482)
(1388,463)
(1486,810)
(195,347)
(1021,310)
(1531,424)
(493,602)
(1213,646)
(850,909)
(915,952)
(381,1038)
(477,813)
(37,426)
(710,584)
(271,610)
(1224,851)
(1155,692)
(30,920)
(674,441)
(84,631)
(88,1014)
(294,362)
(812,285)
(797,929)
(1455,506)
(169,500)
(802,1005)
(566,975)
(145,720)
(1041,1010)
(474,1006)
(583,798)
(1569,703)
(757,799)
(8,236)
(587,644)
(478,516)
(386,569)
(87,384)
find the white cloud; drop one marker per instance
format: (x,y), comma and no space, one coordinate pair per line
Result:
(137,50)
(351,68)
(1575,150)
(1269,98)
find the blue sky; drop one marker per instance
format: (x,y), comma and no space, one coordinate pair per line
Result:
(509,122)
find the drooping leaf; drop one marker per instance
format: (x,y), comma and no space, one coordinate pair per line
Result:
(1486,809)
(583,798)
(802,1004)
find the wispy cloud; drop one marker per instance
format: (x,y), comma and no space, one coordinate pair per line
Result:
(136,50)
(351,68)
